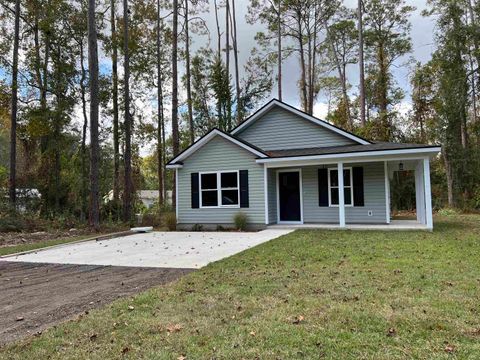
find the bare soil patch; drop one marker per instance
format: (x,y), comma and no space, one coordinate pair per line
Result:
(37,296)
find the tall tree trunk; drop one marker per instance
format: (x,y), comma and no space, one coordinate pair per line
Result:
(383,94)
(227,63)
(160,124)
(235,58)
(279,50)
(303,80)
(57,128)
(84,133)
(176,144)
(13,115)
(360,63)
(187,70)
(128,188)
(219,35)
(94,104)
(116,135)
(449,175)
(310,72)
(314,61)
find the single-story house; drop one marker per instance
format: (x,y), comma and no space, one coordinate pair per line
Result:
(281,166)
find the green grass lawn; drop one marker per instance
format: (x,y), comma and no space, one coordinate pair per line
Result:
(308,295)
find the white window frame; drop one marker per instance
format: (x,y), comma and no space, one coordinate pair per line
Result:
(219,189)
(330,187)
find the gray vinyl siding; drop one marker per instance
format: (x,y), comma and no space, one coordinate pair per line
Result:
(272,196)
(374,196)
(280,129)
(218,155)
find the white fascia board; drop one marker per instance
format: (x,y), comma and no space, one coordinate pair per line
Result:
(205,140)
(325,124)
(174,166)
(365,156)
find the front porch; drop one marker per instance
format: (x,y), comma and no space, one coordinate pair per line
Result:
(302,194)
(393,225)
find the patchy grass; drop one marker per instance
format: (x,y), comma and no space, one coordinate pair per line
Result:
(310,294)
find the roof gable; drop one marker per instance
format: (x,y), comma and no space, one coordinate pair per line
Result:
(341,136)
(176,162)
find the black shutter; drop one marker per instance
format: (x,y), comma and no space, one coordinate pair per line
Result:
(358,198)
(195,191)
(244,189)
(322,187)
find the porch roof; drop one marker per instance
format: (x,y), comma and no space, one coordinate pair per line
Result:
(344,149)
(349,153)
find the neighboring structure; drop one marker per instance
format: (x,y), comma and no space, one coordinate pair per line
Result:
(25,197)
(147,197)
(281,166)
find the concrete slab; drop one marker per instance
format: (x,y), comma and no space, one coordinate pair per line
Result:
(402,225)
(155,249)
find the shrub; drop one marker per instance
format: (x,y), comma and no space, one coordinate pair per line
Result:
(170,221)
(197,227)
(448,212)
(240,220)
(151,219)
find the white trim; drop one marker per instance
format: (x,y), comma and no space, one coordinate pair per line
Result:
(428,193)
(316,121)
(338,187)
(218,189)
(205,140)
(300,179)
(341,196)
(176,194)
(174,166)
(265,191)
(348,156)
(387,192)
(420,192)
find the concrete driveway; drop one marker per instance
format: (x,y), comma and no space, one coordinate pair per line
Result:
(156,249)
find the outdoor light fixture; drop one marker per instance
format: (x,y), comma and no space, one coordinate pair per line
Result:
(400,166)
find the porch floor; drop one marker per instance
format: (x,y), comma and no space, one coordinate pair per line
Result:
(394,225)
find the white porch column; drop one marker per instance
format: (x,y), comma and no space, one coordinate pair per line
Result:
(341,196)
(387,192)
(265,191)
(428,193)
(420,192)
(176,194)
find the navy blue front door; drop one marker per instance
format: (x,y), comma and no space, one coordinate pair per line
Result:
(289,196)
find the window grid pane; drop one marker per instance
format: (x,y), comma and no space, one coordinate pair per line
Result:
(229,197)
(229,180)
(209,181)
(209,198)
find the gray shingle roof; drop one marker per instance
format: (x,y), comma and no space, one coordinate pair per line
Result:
(344,149)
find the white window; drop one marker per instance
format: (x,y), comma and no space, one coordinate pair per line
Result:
(333,186)
(219,189)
